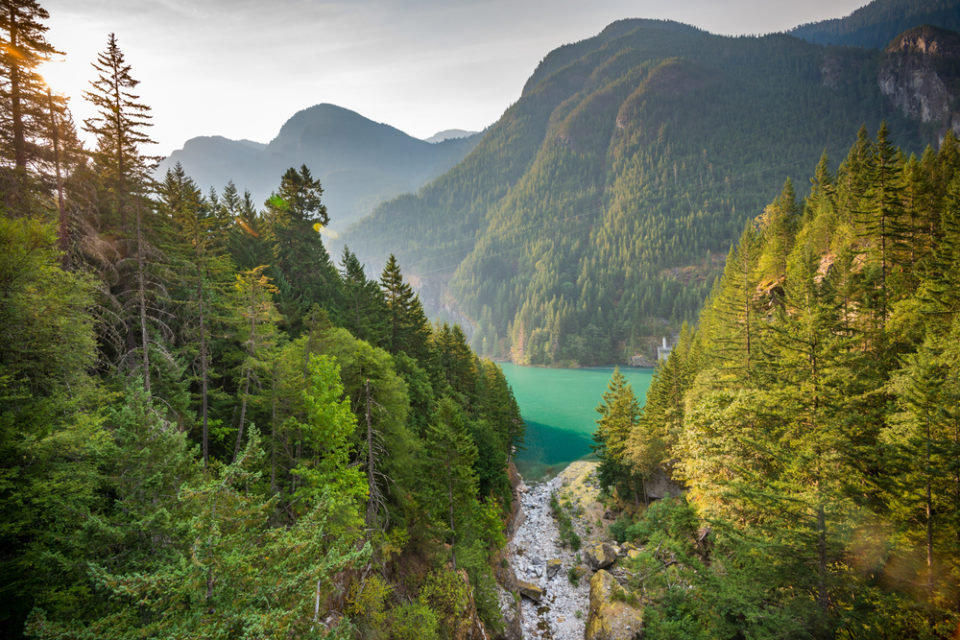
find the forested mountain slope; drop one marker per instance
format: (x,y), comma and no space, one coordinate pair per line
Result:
(361,163)
(875,24)
(594,215)
(813,418)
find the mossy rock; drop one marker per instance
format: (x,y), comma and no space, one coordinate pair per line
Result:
(611,619)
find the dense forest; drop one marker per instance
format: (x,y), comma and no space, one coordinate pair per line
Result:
(208,429)
(813,418)
(876,24)
(593,217)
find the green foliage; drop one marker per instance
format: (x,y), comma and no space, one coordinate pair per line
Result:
(568,535)
(448,596)
(619,413)
(817,448)
(414,621)
(593,217)
(206,429)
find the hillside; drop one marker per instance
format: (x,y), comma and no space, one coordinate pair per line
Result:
(360,163)
(877,23)
(812,417)
(594,215)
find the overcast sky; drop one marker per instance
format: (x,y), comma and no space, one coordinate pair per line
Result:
(241,68)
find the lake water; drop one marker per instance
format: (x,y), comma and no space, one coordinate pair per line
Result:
(560,409)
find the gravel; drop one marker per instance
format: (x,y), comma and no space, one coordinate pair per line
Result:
(535,542)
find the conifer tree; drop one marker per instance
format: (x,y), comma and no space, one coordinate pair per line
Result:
(407,324)
(452,458)
(120,127)
(300,266)
(203,274)
(619,413)
(364,312)
(881,213)
(24,97)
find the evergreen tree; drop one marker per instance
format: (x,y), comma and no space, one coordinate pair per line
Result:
(882,214)
(452,455)
(120,126)
(26,102)
(203,274)
(407,324)
(364,312)
(301,267)
(619,414)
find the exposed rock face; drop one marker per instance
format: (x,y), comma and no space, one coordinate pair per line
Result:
(611,619)
(659,486)
(921,75)
(601,556)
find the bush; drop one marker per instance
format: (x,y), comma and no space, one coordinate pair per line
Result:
(568,535)
(673,517)
(413,621)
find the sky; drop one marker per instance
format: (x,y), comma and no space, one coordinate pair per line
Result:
(241,68)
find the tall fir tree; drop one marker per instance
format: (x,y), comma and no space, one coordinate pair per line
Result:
(28,105)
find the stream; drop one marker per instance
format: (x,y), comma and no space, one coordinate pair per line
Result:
(562,612)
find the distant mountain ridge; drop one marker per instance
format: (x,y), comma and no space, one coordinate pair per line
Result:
(360,163)
(876,24)
(594,215)
(448,134)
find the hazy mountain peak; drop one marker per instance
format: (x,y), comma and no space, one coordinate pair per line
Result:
(449,134)
(359,162)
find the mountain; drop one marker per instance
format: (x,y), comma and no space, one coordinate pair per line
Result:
(448,134)
(360,163)
(594,216)
(876,24)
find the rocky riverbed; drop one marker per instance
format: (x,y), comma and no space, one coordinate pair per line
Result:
(540,559)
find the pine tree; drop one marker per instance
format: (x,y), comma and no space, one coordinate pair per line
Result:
(120,126)
(452,458)
(619,414)
(364,312)
(407,324)
(301,267)
(881,213)
(204,274)
(257,332)
(25,100)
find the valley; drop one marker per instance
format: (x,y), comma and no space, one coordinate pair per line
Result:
(354,385)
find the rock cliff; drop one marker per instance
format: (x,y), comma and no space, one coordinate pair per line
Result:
(921,76)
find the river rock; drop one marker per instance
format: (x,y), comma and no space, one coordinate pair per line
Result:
(600,556)
(611,619)
(553,567)
(530,590)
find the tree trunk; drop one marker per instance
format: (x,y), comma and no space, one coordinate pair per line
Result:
(16,108)
(204,365)
(372,489)
(64,225)
(453,530)
(246,382)
(142,301)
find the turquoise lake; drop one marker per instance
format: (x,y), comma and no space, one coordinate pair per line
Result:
(559,407)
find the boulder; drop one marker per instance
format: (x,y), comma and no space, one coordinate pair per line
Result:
(530,590)
(611,619)
(660,486)
(600,556)
(553,567)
